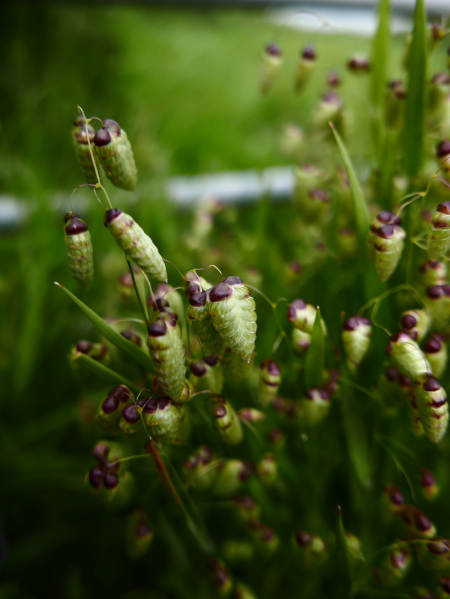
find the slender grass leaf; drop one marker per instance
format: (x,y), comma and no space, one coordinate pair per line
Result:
(343,559)
(380,53)
(113,336)
(414,126)
(108,375)
(315,356)
(391,448)
(360,210)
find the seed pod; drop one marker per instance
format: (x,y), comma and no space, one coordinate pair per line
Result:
(201,469)
(233,315)
(315,204)
(394,566)
(130,423)
(81,133)
(269,381)
(358,64)
(226,420)
(312,550)
(234,368)
(356,339)
(193,283)
(383,218)
(432,403)
(267,469)
(417,524)
(435,350)
(108,414)
(221,577)
(433,273)
(439,234)
(388,249)
(443,592)
(306,63)
(428,483)
(300,341)
(437,300)
(272,59)
(163,418)
(265,538)
(241,591)
(415,323)
(136,244)
(393,499)
(330,108)
(79,250)
(116,156)
(393,103)
(105,477)
(231,475)
(97,351)
(167,353)
(247,508)
(407,356)
(207,374)
(302,316)
(139,536)
(251,415)
(315,406)
(199,315)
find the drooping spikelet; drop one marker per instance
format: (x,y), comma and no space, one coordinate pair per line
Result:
(79,250)
(382,218)
(116,156)
(415,323)
(393,499)
(272,59)
(407,356)
(433,273)
(136,244)
(199,315)
(226,420)
(302,316)
(388,249)
(437,300)
(300,341)
(417,524)
(269,381)
(434,555)
(394,103)
(201,468)
(311,550)
(430,488)
(356,339)
(139,535)
(432,404)
(233,315)
(81,133)
(167,352)
(232,474)
(315,405)
(394,566)
(163,418)
(435,350)
(305,65)
(439,235)
(109,412)
(207,374)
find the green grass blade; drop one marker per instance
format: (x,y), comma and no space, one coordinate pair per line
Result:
(380,53)
(343,560)
(414,126)
(315,356)
(111,335)
(360,210)
(105,373)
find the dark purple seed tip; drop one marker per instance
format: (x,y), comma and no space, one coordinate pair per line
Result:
(389,218)
(432,346)
(150,406)
(309,53)
(320,195)
(431,383)
(84,347)
(441,78)
(193,288)
(273,50)
(75,227)
(303,538)
(198,368)
(421,521)
(212,360)
(392,374)
(69,215)
(111,215)
(132,337)
(220,411)
(111,480)
(435,291)
(352,324)
(96,476)
(443,149)
(157,328)
(386,232)
(271,367)
(164,403)
(220,292)
(130,414)
(445,584)
(333,79)
(408,322)
(395,496)
(198,299)
(110,405)
(248,468)
(102,138)
(112,126)
(101,452)
(426,478)
(444,208)
(233,281)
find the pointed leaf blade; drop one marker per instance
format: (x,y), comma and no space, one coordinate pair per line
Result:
(105,373)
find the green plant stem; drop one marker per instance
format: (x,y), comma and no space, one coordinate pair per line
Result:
(138,295)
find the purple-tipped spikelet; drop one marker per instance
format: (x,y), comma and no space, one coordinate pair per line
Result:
(407,356)
(139,535)
(265,538)
(394,103)
(311,550)
(110,477)
(435,350)
(417,525)
(432,273)
(428,484)
(394,566)
(415,323)
(116,156)
(201,468)
(130,423)
(432,404)
(167,353)
(97,351)
(272,59)
(437,300)
(79,250)
(439,234)
(393,500)
(232,473)
(207,374)
(388,246)
(300,341)
(330,109)
(269,381)
(315,406)
(302,316)
(439,88)
(267,469)
(443,591)
(232,310)
(246,507)
(163,418)
(443,154)
(305,65)
(110,410)
(356,339)
(81,132)
(434,555)
(220,576)
(251,415)
(226,420)
(136,244)
(358,64)
(382,219)
(199,315)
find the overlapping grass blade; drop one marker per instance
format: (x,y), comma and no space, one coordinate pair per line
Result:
(343,560)
(105,373)
(380,53)
(315,356)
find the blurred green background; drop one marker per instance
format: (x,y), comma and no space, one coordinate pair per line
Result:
(184,85)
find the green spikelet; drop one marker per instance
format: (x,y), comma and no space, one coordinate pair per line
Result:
(163,418)
(232,474)
(193,283)
(221,577)
(109,412)
(272,59)
(207,374)
(354,548)
(199,315)
(300,341)
(432,403)
(315,406)
(392,499)
(439,235)
(167,353)
(201,469)
(430,488)
(247,508)
(139,535)
(226,420)
(267,469)
(251,415)
(388,249)
(437,300)
(241,591)
(311,550)
(394,566)
(415,323)
(110,479)
(309,178)
(136,244)
(417,525)
(407,356)
(433,273)
(79,250)
(265,537)
(435,350)
(306,63)
(269,381)
(302,316)
(97,351)
(234,368)
(330,109)
(443,591)
(356,339)
(394,104)
(383,218)
(233,315)
(116,156)
(81,132)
